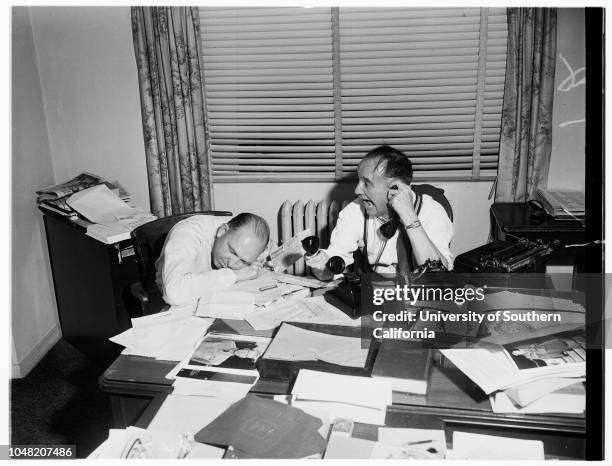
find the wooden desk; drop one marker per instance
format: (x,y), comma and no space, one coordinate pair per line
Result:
(91,280)
(137,385)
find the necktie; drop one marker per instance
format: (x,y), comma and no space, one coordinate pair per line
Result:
(404,253)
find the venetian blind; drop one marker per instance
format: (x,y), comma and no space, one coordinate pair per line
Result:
(428,82)
(298,93)
(269,92)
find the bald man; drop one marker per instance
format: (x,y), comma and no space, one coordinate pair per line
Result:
(203,254)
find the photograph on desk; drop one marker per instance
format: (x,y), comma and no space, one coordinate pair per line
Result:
(334,231)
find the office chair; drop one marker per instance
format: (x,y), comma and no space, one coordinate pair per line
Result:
(148,242)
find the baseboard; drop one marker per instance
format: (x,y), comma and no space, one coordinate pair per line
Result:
(21,369)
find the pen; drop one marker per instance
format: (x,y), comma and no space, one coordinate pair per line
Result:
(420,442)
(268,287)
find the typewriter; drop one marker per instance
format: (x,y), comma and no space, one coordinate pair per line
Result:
(505,257)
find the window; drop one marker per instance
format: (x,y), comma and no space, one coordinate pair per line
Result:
(304,93)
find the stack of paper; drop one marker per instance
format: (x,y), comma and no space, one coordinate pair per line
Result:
(113,218)
(562,204)
(523,357)
(167,335)
(548,395)
(361,399)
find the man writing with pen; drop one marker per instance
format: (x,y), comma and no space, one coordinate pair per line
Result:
(389,226)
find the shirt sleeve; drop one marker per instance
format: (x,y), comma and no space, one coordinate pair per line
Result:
(438,227)
(347,233)
(181,282)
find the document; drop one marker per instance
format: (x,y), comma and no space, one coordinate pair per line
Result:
(136,443)
(542,354)
(243,298)
(188,414)
(467,446)
(348,389)
(292,343)
(99,204)
(204,383)
(556,402)
(166,337)
(315,310)
(307,282)
(228,304)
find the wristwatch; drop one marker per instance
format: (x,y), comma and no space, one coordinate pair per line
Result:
(415,224)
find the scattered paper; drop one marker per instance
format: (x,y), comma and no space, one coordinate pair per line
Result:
(486,447)
(307,282)
(299,310)
(524,394)
(168,338)
(136,443)
(329,411)
(227,305)
(341,447)
(292,343)
(419,451)
(552,403)
(348,389)
(543,354)
(99,204)
(188,414)
(212,384)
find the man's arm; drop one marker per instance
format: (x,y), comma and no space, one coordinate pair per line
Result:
(344,239)
(430,236)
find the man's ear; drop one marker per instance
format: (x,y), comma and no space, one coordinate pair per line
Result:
(222,230)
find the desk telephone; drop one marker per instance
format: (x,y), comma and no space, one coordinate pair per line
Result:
(347,295)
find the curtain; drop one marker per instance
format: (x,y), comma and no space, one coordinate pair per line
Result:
(168,50)
(526,126)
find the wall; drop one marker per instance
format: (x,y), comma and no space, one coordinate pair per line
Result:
(90,87)
(34,323)
(567,158)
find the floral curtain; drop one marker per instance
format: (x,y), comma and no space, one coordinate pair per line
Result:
(168,50)
(526,126)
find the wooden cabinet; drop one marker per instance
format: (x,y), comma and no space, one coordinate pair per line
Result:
(91,281)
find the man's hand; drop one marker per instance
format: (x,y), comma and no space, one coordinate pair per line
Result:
(248,273)
(401,200)
(262,258)
(318,265)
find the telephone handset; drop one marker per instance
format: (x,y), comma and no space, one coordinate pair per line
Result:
(389,228)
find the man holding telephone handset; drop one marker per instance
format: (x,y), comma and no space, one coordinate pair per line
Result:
(391,227)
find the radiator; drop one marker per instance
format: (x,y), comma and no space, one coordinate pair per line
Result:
(320,217)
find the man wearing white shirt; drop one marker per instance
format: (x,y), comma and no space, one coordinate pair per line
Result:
(384,194)
(203,254)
